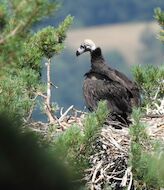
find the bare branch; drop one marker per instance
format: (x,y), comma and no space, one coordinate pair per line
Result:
(125,177)
(48,83)
(156,94)
(95,172)
(42,95)
(65,113)
(131,180)
(48,108)
(53,85)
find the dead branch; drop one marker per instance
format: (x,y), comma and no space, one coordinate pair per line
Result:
(131,180)
(53,85)
(156,94)
(95,172)
(48,108)
(155,109)
(125,177)
(65,113)
(42,95)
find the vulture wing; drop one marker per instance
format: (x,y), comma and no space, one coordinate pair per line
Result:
(99,66)
(116,96)
(122,79)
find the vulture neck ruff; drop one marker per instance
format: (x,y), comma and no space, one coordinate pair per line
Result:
(97,59)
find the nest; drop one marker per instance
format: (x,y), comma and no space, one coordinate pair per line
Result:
(109,162)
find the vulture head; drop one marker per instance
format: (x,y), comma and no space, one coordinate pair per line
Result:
(87,45)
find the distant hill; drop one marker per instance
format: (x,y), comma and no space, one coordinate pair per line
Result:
(125,38)
(96,12)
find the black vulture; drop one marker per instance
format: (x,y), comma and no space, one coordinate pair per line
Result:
(105,83)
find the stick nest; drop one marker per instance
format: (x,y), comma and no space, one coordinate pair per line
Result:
(109,162)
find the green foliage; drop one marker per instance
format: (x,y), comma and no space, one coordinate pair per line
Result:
(22,51)
(18,17)
(94,122)
(159,16)
(69,142)
(19,82)
(17,93)
(150,79)
(75,145)
(149,171)
(138,139)
(47,42)
(2,18)
(63,27)
(146,157)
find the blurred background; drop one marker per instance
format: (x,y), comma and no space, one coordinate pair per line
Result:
(125,30)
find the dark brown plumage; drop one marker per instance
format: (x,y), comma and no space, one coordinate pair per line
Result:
(105,83)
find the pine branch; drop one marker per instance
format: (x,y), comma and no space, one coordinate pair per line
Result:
(11,34)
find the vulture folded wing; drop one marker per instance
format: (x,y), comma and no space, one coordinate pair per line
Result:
(122,79)
(129,85)
(115,95)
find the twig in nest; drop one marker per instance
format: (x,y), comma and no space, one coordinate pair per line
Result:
(154,116)
(131,179)
(95,172)
(65,113)
(78,111)
(156,94)
(125,177)
(116,124)
(114,142)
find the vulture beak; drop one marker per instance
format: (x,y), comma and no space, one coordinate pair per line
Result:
(80,51)
(77,53)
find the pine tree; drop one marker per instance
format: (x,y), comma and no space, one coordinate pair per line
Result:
(22,50)
(146,154)
(150,78)
(159,16)
(30,163)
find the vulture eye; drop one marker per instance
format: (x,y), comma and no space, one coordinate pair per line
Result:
(81,46)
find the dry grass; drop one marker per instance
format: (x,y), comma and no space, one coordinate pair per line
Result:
(122,37)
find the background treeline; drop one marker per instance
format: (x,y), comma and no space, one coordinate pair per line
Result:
(95,12)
